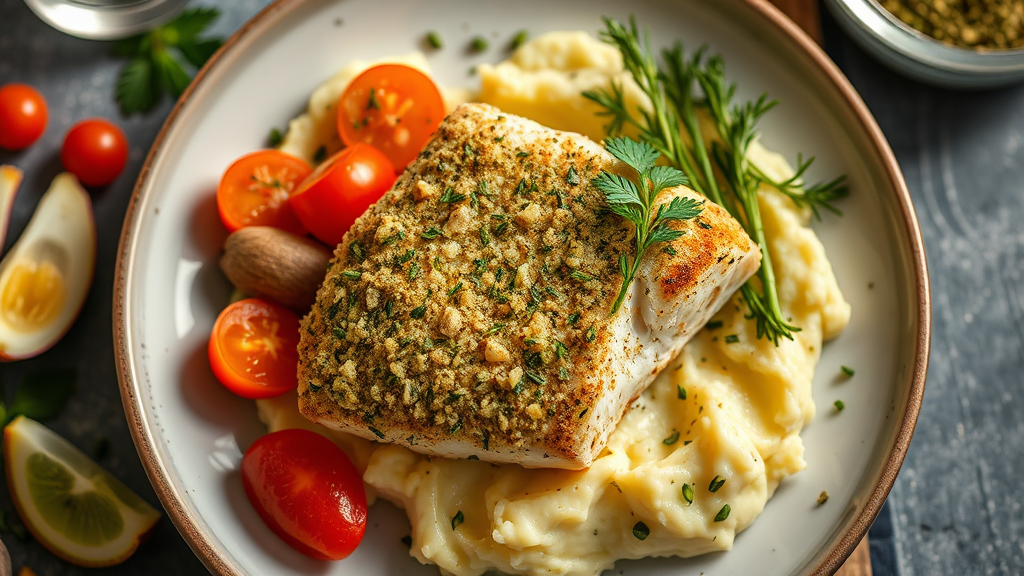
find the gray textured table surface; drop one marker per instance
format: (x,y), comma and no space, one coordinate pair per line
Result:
(957,503)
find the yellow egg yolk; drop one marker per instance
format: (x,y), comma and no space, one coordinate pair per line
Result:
(33,295)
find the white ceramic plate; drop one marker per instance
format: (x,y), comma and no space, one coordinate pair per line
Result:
(190,432)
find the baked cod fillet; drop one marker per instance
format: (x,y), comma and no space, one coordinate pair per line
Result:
(467,313)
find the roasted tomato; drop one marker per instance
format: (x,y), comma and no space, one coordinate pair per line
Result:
(392,107)
(253,348)
(307,491)
(340,189)
(254,191)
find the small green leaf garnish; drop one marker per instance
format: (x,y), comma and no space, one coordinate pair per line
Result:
(434,40)
(479,44)
(672,439)
(430,233)
(457,519)
(518,40)
(688,494)
(840,405)
(352,274)
(641,531)
(681,392)
(847,371)
(450,197)
(635,202)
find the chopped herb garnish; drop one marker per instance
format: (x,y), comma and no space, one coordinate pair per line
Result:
(669,250)
(681,392)
(501,228)
(371,103)
(419,311)
(518,40)
(495,328)
(584,412)
(704,225)
(434,39)
(572,178)
(320,155)
(352,274)
(275,138)
(377,433)
(563,373)
(485,237)
(723,513)
(581,276)
(840,405)
(641,531)
(560,350)
(339,333)
(672,439)
(450,197)
(591,334)
(716,483)
(688,494)
(455,427)
(430,233)
(522,154)
(455,289)
(574,318)
(457,519)
(732,339)
(414,271)
(536,377)
(847,370)
(823,497)
(714,325)
(479,44)
(356,251)
(553,292)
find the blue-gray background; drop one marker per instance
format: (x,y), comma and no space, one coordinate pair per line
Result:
(956,507)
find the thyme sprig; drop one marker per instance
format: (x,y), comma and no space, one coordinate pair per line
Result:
(635,202)
(716,165)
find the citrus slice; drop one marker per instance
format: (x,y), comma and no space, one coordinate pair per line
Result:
(71,505)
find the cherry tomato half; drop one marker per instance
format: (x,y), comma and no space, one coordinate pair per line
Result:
(307,491)
(340,190)
(254,191)
(95,151)
(23,116)
(392,107)
(253,348)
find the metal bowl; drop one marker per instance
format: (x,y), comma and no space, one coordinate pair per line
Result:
(920,56)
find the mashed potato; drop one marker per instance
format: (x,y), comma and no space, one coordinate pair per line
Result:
(731,411)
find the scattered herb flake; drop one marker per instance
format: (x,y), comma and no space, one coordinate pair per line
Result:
(716,483)
(457,519)
(275,138)
(688,494)
(591,334)
(519,39)
(714,325)
(419,311)
(732,339)
(572,178)
(847,370)
(823,497)
(681,392)
(479,44)
(723,513)
(450,197)
(352,274)
(641,531)
(434,40)
(430,233)
(840,405)
(672,439)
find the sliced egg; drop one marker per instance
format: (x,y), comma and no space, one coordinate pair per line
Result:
(45,277)
(10,179)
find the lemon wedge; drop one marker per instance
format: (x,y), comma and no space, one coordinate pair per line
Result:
(72,506)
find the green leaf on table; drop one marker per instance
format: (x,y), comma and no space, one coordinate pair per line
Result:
(191,23)
(197,52)
(170,73)
(136,87)
(42,395)
(162,59)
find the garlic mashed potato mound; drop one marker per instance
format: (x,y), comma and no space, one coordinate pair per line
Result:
(724,410)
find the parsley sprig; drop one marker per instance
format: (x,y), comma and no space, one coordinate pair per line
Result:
(635,202)
(716,164)
(159,58)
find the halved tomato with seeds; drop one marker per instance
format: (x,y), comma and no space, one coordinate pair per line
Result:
(254,191)
(394,108)
(254,348)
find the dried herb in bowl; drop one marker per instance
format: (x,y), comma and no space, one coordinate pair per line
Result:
(975,24)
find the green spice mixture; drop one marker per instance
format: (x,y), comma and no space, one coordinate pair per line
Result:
(977,24)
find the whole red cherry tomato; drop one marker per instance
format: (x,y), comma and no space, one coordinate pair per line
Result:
(95,151)
(307,491)
(340,190)
(23,116)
